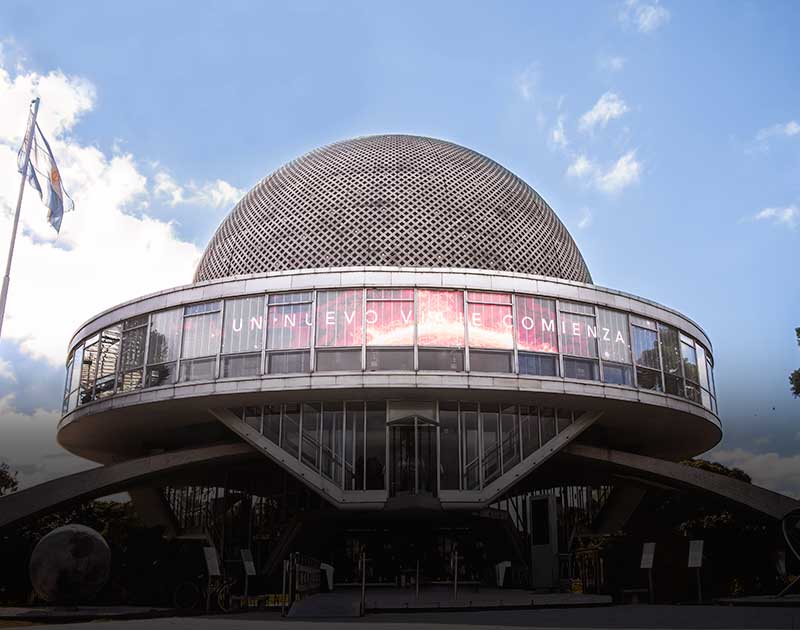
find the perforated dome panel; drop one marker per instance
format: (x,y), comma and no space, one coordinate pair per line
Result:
(392,200)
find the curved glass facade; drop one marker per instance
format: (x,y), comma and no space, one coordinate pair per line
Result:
(392,445)
(374,329)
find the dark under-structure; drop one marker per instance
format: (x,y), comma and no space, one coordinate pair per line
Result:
(392,346)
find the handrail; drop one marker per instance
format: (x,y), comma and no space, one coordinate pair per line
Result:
(785,531)
(325,449)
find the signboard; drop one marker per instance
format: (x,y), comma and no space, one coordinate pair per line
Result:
(212,562)
(648,553)
(695,554)
(389,317)
(247,560)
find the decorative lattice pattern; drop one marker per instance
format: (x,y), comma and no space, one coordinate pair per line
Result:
(392,200)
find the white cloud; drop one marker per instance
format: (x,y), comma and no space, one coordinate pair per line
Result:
(168,189)
(645,16)
(620,175)
(770,470)
(608,107)
(7,372)
(611,63)
(785,130)
(64,100)
(586,219)
(216,194)
(527,82)
(558,137)
(582,166)
(105,254)
(788,216)
(29,445)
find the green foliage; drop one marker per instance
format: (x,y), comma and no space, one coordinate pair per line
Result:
(739,544)
(714,467)
(696,515)
(114,520)
(794,381)
(8,480)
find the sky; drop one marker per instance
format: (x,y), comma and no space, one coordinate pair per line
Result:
(666,136)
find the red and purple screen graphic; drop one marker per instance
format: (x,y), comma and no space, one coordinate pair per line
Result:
(441,318)
(490,321)
(390,317)
(536,325)
(339,318)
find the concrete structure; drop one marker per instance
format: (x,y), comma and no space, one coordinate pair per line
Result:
(389,337)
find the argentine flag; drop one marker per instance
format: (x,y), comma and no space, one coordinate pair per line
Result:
(44,176)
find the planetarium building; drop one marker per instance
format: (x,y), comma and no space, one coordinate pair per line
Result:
(391,345)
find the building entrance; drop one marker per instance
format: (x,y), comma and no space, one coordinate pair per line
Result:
(413,456)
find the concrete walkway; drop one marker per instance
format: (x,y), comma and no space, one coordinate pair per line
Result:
(613,618)
(345,602)
(433,598)
(71,614)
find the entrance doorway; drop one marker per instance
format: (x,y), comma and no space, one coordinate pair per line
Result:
(413,456)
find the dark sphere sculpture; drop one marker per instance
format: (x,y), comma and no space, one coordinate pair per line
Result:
(70,565)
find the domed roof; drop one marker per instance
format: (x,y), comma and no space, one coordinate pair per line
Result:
(392,200)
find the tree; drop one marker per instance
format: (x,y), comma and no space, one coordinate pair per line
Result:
(794,377)
(735,473)
(8,480)
(739,544)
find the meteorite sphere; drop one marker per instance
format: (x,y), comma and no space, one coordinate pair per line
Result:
(70,565)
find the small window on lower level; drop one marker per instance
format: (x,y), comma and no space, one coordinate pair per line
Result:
(163,374)
(241,365)
(199,369)
(129,381)
(648,379)
(488,361)
(674,385)
(105,386)
(390,359)
(564,417)
(253,417)
(617,374)
(444,359)
(538,364)
(335,360)
(693,391)
(289,362)
(584,369)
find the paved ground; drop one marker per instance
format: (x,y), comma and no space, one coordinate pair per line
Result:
(345,602)
(627,617)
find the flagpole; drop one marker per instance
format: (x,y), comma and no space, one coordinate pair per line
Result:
(7,277)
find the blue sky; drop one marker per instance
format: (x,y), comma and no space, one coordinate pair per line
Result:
(665,135)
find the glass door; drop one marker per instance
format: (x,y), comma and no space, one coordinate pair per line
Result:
(403,458)
(413,453)
(426,458)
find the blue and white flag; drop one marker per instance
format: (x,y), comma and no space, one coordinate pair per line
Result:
(44,176)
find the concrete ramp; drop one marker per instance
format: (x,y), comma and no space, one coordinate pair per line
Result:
(105,480)
(680,476)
